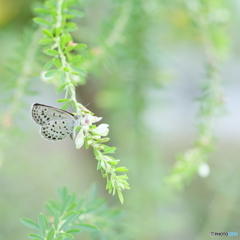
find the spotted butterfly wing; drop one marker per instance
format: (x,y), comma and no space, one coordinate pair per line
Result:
(55,123)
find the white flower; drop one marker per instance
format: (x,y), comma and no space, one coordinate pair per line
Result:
(79,140)
(203,170)
(96,119)
(102,130)
(87,120)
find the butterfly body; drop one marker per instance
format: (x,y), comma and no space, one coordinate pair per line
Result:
(56,124)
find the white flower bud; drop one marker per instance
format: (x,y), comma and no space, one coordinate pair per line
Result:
(102,130)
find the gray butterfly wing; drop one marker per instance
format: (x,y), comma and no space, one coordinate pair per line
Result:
(58,129)
(42,114)
(55,123)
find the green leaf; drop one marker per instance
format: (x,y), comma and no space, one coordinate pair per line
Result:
(52,52)
(50,235)
(42,221)
(88,227)
(69,49)
(108,185)
(35,236)
(66,69)
(30,223)
(81,46)
(70,219)
(120,196)
(58,31)
(74,106)
(42,10)
(74,231)
(63,100)
(65,106)
(113,162)
(76,13)
(62,41)
(63,193)
(60,237)
(96,152)
(56,219)
(102,140)
(61,88)
(76,129)
(70,3)
(76,59)
(69,16)
(48,65)
(95,205)
(48,33)
(46,41)
(121,169)
(72,205)
(50,73)
(99,165)
(75,73)
(55,205)
(50,209)
(57,63)
(70,26)
(41,21)
(79,70)
(67,235)
(66,203)
(62,77)
(108,149)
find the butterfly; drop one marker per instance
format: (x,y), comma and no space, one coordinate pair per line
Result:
(56,124)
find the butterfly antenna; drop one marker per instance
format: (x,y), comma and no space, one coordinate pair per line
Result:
(88,104)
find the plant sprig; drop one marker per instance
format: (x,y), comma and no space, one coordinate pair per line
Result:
(211,99)
(64,71)
(70,215)
(18,71)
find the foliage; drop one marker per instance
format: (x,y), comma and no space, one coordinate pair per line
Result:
(133,46)
(64,71)
(215,42)
(17,74)
(70,215)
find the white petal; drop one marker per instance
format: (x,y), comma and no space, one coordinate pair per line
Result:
(87,120)
(79,141)
(102,129)
(96,119)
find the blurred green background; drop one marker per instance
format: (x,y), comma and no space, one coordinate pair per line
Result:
(148,66)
